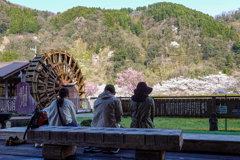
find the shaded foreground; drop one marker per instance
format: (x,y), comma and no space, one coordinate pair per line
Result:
(29,152)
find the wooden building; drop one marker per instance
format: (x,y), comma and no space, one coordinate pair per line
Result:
(11,73)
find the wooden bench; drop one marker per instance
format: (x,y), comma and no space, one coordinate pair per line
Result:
(149,144)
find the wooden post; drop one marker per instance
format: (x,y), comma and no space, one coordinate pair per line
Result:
(6,95)
(6,88)
(149,155)
(10,92)
(57,151)
(214,105)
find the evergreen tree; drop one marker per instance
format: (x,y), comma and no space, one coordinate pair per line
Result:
(225,70)
(230,59)
(109,20)
(22,20)
(8,56)
(121,22)
(139,28)
(236,47)
(132,28)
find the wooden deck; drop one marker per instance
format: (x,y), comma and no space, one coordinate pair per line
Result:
(195,147)
(29,152)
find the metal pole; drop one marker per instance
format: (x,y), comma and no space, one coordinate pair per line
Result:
(225,118)
(225,124)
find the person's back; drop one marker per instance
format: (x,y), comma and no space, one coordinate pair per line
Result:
(142,113)
(66,109)
(107,109)
(142,107)
(67,112)
(107,113)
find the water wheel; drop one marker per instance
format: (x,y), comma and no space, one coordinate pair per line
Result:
(48,71)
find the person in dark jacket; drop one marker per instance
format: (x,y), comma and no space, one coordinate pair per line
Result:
(142,107)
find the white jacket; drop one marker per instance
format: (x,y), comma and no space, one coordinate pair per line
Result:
(107,111)
(67,111)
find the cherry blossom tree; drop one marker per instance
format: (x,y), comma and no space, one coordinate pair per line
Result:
(129,79)
(91,88)
(198,86)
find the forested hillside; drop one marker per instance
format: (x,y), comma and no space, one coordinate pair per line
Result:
(232,20)
(162,40)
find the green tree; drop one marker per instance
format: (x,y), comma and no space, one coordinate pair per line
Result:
(8,56)
(209,50)
(232,27)
(109,20)
(22,20)
(132,28)
(236,47)
(230,59)
(121,22)
(225,70)
(97,50)
(138,28)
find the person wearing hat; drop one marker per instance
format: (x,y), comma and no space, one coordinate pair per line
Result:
(61,111)
(142,107)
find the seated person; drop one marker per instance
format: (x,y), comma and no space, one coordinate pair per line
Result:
(61,106)
(66,109)
(107,109)
(107,113)
(142,107)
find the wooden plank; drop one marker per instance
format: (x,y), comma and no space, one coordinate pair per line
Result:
(94,136)
(13,131)
(76,135)
(113,137)
(29,152)
(134,138)
(57,152)
(59,134)
(103,137)
(149,155)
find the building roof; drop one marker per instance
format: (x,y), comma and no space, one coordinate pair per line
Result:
(9,68)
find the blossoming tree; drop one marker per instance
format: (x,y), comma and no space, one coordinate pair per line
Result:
(198,86)
(129,79)
(91,88)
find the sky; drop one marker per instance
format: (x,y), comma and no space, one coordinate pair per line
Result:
(211,7)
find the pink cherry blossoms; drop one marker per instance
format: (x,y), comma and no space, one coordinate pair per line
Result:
(129,79)
(91,88)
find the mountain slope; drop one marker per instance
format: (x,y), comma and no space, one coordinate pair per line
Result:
(163,40)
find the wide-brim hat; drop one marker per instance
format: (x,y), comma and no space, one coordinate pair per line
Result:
(142,87)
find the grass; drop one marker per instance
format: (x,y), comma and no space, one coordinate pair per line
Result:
(189,125)
(87,112)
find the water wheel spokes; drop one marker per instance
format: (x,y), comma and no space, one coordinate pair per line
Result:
(48,71)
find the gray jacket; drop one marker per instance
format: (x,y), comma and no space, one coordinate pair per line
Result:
(107,111)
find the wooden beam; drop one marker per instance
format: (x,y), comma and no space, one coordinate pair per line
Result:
(149,155)
(57,151)
(6,88)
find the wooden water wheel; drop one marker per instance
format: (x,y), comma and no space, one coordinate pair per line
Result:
(48,71)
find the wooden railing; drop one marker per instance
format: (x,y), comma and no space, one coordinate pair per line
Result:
(181,106)
(81,104)
(7,105)
(192,106)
